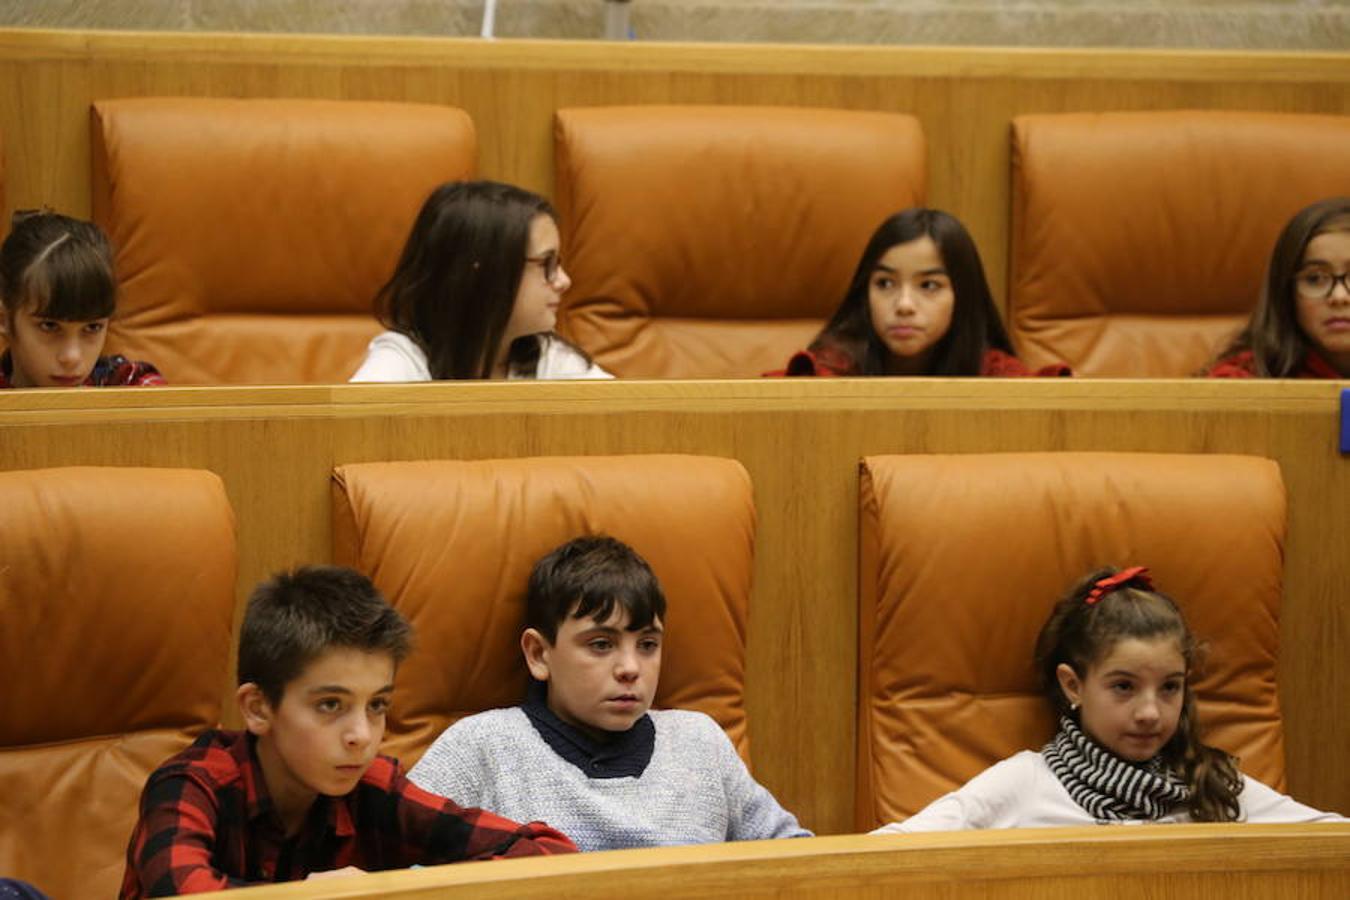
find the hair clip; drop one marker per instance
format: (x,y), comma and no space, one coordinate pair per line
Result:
(1104,586)
(23,215)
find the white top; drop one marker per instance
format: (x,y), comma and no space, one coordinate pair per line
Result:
(393,356)
(694,790)
(1022,792)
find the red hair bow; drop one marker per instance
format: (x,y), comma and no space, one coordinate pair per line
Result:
(1104,586)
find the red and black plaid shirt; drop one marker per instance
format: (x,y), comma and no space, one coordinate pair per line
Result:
(207,823)
(108,371)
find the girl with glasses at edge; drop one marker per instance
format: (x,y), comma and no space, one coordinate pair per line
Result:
(1301,326)
(475,293)
(918,304)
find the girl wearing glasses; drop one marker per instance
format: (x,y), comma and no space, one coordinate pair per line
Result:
(1301,326)
(475,293)
(918,304)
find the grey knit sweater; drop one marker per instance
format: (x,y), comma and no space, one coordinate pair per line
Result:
(695,789)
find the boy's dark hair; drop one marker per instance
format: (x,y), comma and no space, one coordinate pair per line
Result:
(1278,344)
(294,617)
(1080,634)
(57,267)
(586,578)
(975,327)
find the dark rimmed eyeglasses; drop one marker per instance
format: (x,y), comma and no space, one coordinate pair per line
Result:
(551,262)
(1317,284)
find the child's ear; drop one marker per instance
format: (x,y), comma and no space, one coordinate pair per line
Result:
(254,707)
(1069,684)
(535,647)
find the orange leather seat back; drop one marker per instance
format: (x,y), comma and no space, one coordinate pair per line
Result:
(963,557)
(117,589)
(452,544)
(4,210)
(713,241)
(1140,240)
(252,235)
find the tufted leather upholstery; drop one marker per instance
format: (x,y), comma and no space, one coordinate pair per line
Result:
(252,235)
(712,241)
(452,543)
(1140,239)
(116,594)
(962,558)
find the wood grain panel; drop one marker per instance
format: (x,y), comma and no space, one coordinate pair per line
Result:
(801,441)
(1186,862)
(965,97)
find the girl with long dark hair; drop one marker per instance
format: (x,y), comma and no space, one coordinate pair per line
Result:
(475,293)
(1301,326)
(918,304)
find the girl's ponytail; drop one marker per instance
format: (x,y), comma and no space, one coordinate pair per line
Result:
(1211,775)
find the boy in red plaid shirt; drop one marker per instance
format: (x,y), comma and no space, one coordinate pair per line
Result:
(302,791)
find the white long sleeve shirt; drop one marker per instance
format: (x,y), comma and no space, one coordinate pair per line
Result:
(1022,792)
(392,356)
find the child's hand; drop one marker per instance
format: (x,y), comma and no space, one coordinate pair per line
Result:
(336,873)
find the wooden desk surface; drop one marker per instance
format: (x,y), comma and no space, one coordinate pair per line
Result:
(1225,862)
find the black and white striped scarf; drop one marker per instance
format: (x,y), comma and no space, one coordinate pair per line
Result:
(1108,787)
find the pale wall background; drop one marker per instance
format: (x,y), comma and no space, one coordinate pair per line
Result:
(1257,24)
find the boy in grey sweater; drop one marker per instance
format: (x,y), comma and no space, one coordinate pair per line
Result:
(583,752)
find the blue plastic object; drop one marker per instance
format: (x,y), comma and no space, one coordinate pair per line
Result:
(1345,420)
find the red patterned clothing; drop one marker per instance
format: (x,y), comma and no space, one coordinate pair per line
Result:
(1243,365)
(109,371)
(207,822)
(831,361)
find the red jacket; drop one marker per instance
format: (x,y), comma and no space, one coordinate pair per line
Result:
(108,371)
(1243,365)
(831,361)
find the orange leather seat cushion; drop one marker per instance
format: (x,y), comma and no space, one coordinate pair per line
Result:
(117,588)
(713,241)
(963,557)
(252,235)
(1140,239)
(452,544)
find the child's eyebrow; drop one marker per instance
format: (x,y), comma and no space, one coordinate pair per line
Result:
(939,270)
(339,689)
(601,629)
(1127,673)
